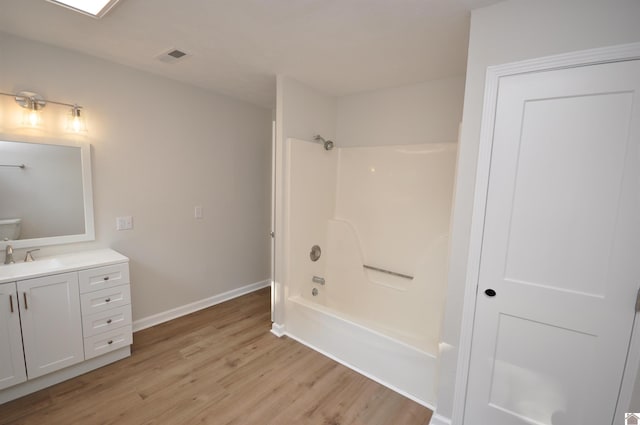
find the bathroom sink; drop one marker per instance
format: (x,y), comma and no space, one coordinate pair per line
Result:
(62,263)
(9,272)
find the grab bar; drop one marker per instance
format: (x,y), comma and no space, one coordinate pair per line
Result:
(405,276)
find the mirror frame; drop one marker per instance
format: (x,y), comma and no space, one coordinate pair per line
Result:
(87,194)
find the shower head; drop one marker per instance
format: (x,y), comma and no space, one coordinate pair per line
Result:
(328,144)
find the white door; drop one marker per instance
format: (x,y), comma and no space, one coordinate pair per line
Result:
(561,249)
(12,369)
(51,323)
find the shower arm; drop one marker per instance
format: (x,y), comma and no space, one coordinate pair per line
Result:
(328,144)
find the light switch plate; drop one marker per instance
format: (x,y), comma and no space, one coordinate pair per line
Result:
(124,223)
(197,212)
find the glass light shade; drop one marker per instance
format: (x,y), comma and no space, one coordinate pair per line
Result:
(75,121)
(31,118)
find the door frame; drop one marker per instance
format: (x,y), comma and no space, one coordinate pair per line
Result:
(272,234)
(619,53)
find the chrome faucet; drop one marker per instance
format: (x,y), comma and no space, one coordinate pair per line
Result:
(8,255)
(28,257)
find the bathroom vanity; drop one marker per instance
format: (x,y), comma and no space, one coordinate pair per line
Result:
(60,317)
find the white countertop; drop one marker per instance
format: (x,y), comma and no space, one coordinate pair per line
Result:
(63,263)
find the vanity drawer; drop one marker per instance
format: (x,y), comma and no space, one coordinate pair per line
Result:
(97,345)
(103,277)
(104,321)
(105,299)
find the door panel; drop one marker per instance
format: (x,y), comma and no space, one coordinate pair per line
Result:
(524,382)
(567,211)
(51,323)
(560,247)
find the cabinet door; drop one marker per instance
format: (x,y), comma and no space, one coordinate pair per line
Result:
(51,323)
(12,369)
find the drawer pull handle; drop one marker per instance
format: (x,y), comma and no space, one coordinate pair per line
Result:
(107,300)
(106,278)
(110,342)
(109,322)
(11,302)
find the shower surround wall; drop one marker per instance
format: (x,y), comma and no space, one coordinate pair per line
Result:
(387,207)
(352,319)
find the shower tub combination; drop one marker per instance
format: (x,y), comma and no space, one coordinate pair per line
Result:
(365,247)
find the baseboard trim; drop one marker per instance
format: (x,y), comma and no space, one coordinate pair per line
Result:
(278,330)
(174,313)
(439,420)
(56,377)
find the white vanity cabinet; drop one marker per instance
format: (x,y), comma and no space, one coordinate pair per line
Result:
(61,317)
(41,328)
(12,368)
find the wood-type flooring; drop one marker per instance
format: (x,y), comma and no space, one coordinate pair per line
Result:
(218,366)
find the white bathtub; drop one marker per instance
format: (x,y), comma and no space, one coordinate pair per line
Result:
(385,207)
(397,365)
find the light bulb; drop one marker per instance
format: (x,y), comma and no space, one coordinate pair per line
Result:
(34,118)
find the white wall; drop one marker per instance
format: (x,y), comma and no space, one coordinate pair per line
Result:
(428,112)
(159,148)
(507,32)
(305,111)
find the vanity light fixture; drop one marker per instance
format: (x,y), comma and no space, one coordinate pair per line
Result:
(33,103)
(94,8)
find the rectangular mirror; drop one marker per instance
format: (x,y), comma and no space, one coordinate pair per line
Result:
(45,194)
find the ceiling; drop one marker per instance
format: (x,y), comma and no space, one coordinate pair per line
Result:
(237,47)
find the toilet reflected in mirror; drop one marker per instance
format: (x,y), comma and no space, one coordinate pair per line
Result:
(10,229)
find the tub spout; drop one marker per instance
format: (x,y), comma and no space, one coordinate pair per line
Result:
(318,279)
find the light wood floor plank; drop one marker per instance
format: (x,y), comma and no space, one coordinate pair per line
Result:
(218,366)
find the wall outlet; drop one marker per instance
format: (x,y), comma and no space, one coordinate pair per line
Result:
(124,223)
(197,212)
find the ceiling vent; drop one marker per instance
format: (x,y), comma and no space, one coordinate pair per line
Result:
(172,56)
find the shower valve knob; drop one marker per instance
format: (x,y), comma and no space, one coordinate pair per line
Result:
(315,253)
